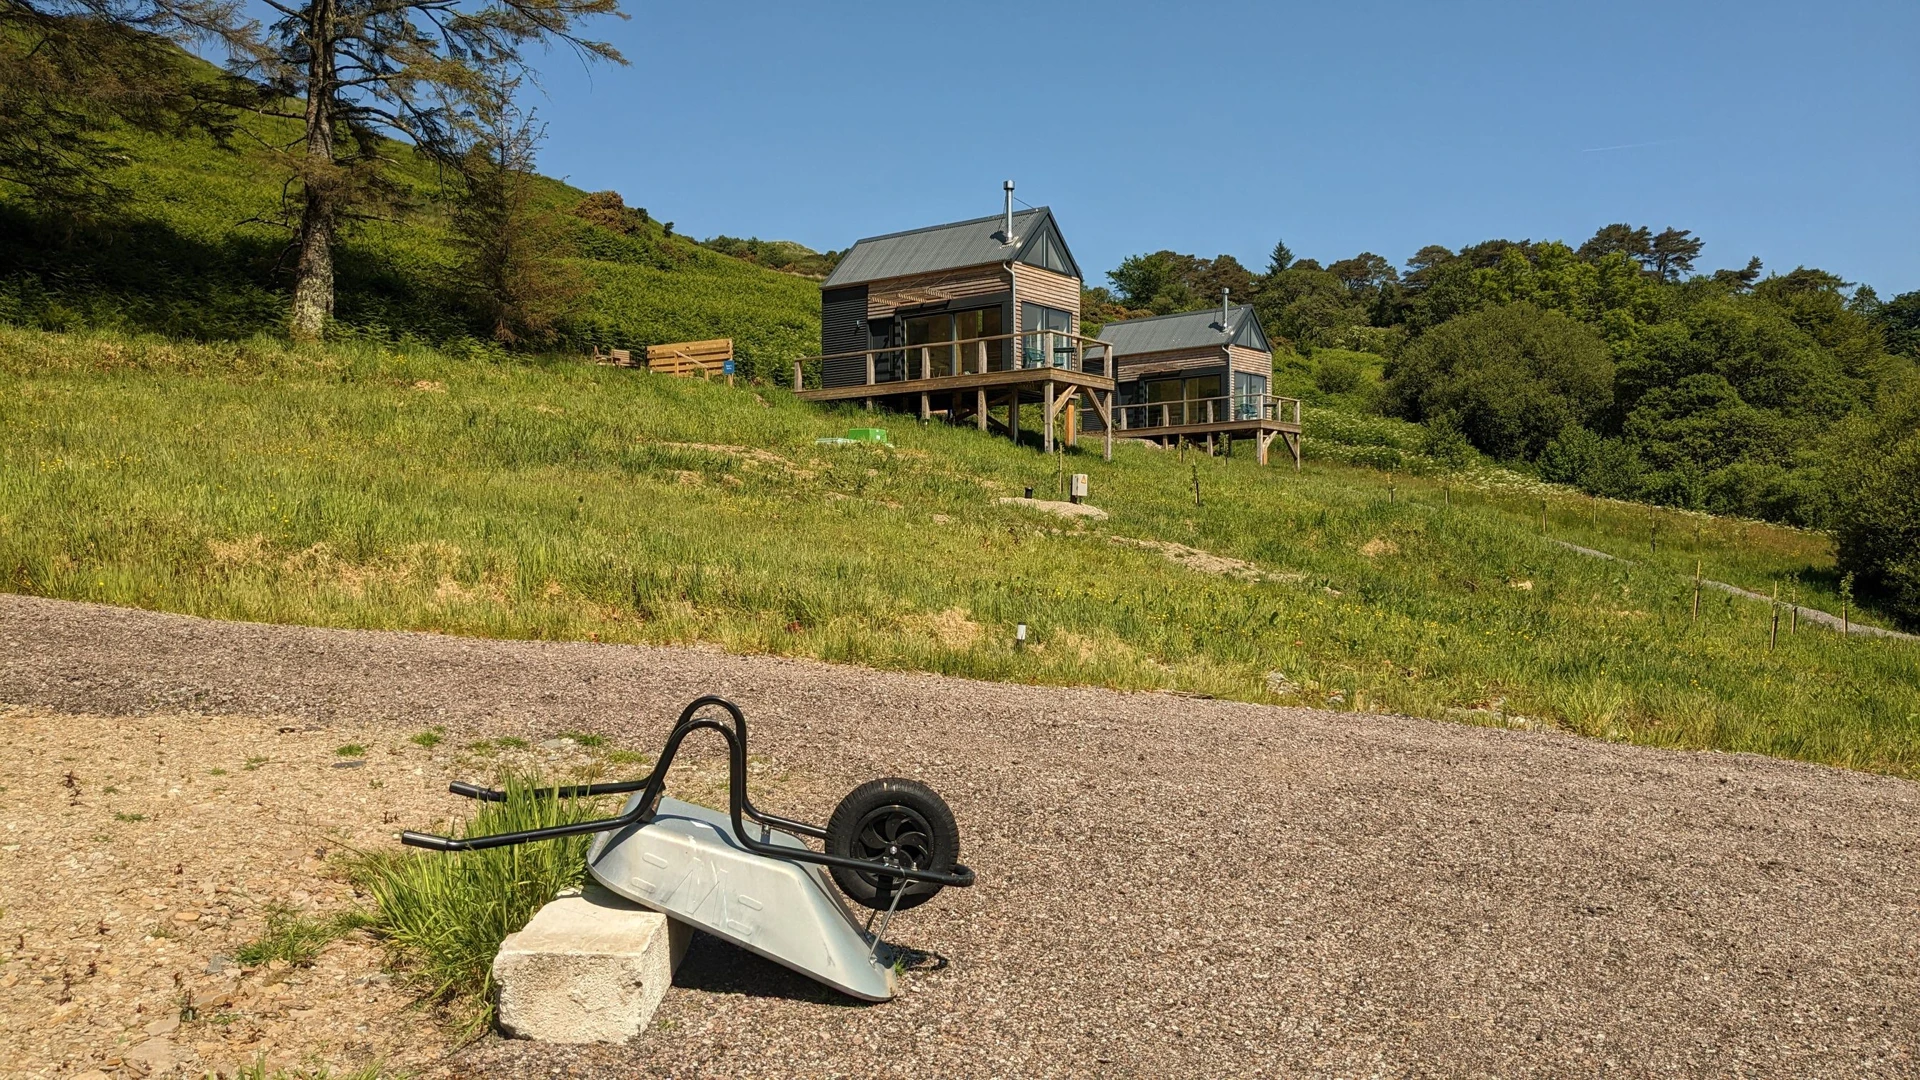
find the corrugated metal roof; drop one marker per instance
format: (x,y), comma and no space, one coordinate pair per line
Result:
(1186,330)
(938,247)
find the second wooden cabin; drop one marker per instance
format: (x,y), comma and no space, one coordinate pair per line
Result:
(1198,376)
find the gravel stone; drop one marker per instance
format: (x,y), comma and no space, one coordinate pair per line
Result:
(1170,886)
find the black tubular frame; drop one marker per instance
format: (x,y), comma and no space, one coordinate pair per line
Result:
(653,785)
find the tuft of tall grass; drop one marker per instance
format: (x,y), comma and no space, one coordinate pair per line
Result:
(444,914)
(296,939)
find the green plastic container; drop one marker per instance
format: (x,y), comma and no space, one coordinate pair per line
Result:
(867,434)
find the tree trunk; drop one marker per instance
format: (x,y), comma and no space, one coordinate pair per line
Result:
(313,276)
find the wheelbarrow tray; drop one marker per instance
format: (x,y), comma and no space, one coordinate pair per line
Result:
(686,863)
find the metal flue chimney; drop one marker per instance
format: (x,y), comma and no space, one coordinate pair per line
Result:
(1006,234)
(1224,293)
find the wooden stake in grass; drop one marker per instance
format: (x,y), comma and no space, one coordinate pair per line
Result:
(1447,493)
(1653,537)
(1543,517)
(1773,637)
(1196,486)
(1846,603)
(1696,590)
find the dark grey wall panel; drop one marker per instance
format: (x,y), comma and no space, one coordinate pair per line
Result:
(843,328)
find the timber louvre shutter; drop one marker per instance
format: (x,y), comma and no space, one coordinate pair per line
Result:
(843,317)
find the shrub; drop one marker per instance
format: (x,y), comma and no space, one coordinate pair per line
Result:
(1334,372)
(1593,464)
(1873,486)
(1515,376)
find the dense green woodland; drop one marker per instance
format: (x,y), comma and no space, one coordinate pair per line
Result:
(1612,367)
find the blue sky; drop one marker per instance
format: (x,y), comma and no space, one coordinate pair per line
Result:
(1787,131)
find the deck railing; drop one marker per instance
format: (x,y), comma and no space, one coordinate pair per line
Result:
(896,365)
(1232,408)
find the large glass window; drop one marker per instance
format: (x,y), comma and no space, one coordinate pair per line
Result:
(976,324)
(1195,400)
(1249,395)
(930,345)
(1033,352)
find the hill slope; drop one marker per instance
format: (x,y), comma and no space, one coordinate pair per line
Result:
(369,486)
(200,252)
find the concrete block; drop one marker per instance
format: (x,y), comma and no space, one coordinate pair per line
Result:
(590,967)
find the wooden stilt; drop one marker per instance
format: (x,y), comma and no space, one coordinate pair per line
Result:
(926,406)
(1046,400)
(980,408)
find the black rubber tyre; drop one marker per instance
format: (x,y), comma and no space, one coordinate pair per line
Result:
(898,821)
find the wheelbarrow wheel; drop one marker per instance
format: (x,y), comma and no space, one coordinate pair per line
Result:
(895,821)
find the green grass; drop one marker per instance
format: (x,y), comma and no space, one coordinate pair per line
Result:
(296,939)
(428,739)
(445,915)
(368,486)
(351,750)
(197,254)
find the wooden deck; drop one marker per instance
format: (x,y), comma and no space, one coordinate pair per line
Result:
(1263,419)
(961,381)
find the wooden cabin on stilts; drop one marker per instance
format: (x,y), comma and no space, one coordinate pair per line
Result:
(965,322)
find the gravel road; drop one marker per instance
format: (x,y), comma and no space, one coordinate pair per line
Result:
(1172,887)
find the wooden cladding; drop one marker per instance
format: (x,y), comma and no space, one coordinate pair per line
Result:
(1238,358)
(886,297)
(1251,361)
(1033,285)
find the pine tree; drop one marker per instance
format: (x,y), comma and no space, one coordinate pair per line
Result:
(71,68)
(507,239)
(414,69)
(1281,258)
(1672,253)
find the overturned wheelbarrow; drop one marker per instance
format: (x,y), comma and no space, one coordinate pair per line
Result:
(890,845)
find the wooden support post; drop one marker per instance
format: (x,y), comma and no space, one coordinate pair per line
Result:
(1293,443)
(980,408)
(926,406)
(1046,399)
(1071,411)
(869,369)
(1106,416)
(1263,441)
(796,376)
(1013,415)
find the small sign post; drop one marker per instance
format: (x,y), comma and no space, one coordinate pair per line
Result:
(727,369)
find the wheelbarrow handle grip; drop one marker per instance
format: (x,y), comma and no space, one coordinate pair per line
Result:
(428,840)
(475,791)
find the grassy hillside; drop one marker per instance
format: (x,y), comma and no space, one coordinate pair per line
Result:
(200,253)
(379,486)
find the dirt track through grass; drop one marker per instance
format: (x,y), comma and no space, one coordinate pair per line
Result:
(1174,887)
